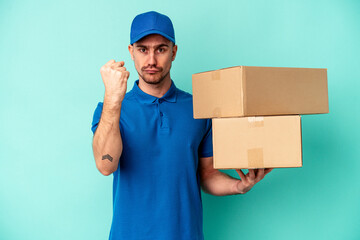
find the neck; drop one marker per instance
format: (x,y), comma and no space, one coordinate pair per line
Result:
(156,90)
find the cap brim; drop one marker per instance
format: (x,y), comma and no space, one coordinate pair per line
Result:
(144,34)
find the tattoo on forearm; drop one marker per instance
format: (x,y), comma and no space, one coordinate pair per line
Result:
(107,156)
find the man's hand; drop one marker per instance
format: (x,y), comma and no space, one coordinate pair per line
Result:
(114,76)
(250,179)
(218,183)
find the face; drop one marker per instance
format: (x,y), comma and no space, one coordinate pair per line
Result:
(153,56)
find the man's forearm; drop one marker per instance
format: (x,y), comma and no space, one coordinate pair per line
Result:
(107,142)
(219,184)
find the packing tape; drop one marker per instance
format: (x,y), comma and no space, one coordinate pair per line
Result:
(256,121)
(255,158)
(216,112)
(215,75)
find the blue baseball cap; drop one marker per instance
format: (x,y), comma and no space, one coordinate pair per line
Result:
(151,23)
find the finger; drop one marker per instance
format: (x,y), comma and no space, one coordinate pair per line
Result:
(251,174)
(241,174)
(121,63)
(110,62)
(260,174)
(118,64)
(122,69)
(126,75)
(267,170)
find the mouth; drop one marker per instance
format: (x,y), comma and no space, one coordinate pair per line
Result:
(151,71)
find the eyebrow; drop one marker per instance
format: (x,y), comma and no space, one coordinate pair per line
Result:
(156,46)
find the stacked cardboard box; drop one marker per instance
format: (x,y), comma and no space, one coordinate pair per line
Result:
(256,111)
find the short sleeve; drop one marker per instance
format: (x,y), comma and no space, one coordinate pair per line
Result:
(206,146)
(96,117)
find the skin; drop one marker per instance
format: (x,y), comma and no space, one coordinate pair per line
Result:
(220,184)
(107,141)
(153,56)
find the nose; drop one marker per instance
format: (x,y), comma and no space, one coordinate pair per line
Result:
(152,59)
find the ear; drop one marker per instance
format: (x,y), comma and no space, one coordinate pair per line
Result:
(131,51)
(174,51)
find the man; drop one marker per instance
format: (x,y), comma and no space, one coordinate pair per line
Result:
(157,152)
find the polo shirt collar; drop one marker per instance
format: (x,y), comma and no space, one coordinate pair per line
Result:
(169,96)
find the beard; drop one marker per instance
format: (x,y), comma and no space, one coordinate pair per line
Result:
(155,81)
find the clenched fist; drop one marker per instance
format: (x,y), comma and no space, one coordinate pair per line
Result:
(114,76)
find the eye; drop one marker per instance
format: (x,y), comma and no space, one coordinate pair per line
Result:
(142,50)
(161,50)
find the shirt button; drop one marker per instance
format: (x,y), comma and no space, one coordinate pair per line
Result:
(161,114)
(160,100)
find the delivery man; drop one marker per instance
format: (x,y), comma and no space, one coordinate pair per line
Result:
(158,153)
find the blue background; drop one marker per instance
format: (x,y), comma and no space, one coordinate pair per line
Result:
(50,58)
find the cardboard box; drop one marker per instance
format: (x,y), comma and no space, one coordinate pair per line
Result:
(259,91)
(257,142)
